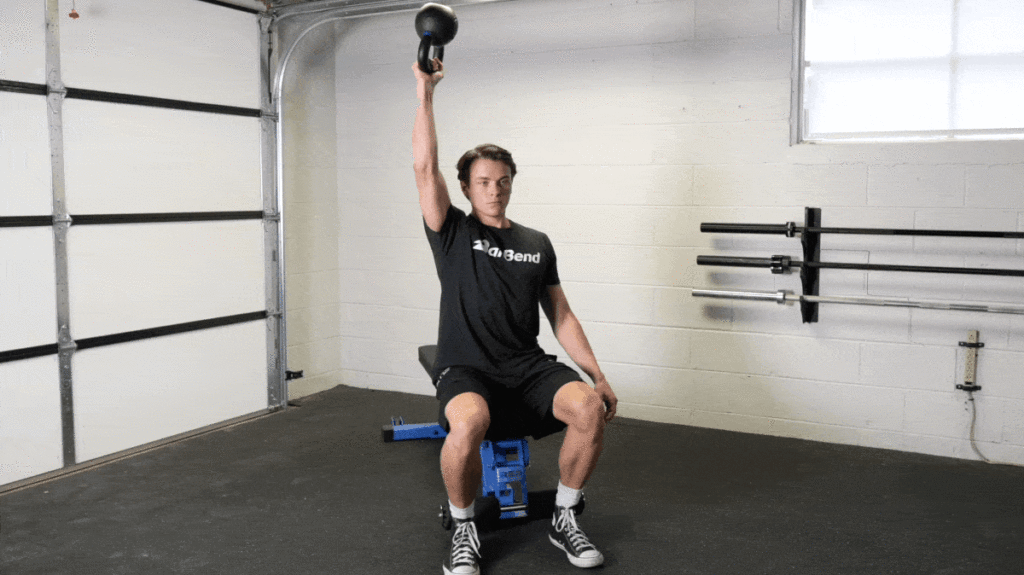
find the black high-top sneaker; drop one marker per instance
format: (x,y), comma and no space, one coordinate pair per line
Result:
(465,549)
(566,535)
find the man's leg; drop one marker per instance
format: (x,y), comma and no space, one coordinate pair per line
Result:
(581,409)
(578,406)
(462,469)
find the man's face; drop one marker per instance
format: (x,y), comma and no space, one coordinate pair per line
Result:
(489,188)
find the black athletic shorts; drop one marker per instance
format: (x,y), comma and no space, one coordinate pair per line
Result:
(520,404)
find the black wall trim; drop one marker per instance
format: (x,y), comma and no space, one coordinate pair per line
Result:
(232,6)
(117,98)
(91,342)
(141,334)
(94,219)
(22,87)
(25,221)
(28,352)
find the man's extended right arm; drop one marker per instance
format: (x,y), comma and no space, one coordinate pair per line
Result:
(434,199)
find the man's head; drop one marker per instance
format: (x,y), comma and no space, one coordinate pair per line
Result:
(487,151)
(486,173)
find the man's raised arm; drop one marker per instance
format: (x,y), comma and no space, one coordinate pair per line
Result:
(434,199)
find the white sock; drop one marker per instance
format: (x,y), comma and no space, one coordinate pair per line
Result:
(567,496)
(462,514)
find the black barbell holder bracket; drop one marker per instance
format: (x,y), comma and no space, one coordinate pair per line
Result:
(809,274)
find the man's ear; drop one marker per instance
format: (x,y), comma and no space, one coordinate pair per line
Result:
(465,188)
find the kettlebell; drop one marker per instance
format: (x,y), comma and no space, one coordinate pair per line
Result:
(436,25)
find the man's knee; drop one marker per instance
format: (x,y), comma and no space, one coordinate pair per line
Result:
(579,406)
(468,415)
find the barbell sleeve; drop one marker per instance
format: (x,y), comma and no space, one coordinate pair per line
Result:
(776,296)
(715,228)
(734,261)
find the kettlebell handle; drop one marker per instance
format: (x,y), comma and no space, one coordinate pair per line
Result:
(436,25)
(424,54)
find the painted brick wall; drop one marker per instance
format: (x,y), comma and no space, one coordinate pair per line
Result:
(311,222)
(632,122)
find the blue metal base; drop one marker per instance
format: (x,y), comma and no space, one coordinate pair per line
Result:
(399,430)
(504,463)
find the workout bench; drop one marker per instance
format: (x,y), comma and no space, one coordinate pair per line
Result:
(505,454)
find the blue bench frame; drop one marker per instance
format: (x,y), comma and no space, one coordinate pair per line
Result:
(504,460)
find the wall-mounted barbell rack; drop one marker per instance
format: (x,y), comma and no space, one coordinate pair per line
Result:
(810,240)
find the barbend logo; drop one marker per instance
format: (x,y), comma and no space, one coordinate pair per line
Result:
(507,255)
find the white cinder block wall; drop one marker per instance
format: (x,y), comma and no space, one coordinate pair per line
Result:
(632,123)
(311,210)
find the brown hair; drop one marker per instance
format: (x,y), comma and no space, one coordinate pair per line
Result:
(486,151)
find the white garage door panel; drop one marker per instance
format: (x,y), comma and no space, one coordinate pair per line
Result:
(28,300)
(133,159)
(178,49)
(23,40)
(24,155)
(131,394)
(30,426)
(137,276)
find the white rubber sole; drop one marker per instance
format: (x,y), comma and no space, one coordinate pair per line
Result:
(447,572)
(584,562)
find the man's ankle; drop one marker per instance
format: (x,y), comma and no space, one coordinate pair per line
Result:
(462,513)
(567,496)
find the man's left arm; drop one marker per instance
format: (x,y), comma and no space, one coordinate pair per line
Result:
(570,335)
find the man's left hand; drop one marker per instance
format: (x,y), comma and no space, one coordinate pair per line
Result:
(604,389)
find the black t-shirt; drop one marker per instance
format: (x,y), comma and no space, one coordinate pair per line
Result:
(492,281)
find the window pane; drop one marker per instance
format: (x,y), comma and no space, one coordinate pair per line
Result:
(859,30)
(991,27)
(877,98)
(989,93)
(881,68)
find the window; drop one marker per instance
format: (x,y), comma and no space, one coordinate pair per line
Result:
(911,70)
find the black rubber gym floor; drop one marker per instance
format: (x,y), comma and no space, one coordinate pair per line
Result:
(314,490)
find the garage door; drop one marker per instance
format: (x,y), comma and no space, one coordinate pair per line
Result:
(138,228)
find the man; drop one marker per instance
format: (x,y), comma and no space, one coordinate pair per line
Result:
(494,273)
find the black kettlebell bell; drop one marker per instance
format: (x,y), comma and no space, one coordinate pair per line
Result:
(436,25)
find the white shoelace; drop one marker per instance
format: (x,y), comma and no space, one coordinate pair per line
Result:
(566,522)
(465,543)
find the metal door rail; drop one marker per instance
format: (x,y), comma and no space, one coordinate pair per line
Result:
(783,297)
(790,229)
(780,264)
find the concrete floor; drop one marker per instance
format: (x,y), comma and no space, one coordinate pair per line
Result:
(314,490)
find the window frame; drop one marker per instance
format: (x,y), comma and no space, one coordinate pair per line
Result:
(799,113)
